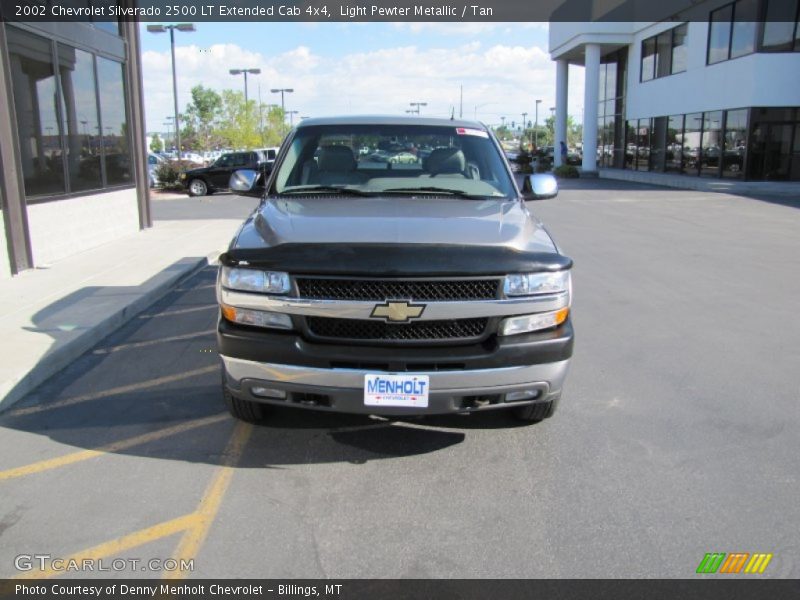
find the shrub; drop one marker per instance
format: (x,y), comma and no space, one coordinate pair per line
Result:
(566,172)
(168,174)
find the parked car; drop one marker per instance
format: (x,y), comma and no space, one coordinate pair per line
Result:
(361,288)
(215,177)
(153,160)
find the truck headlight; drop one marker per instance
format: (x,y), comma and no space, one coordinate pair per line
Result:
(531,284)
(256,318)
(251,280)
(536,322)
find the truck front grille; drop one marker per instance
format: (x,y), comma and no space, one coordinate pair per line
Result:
(419,331)
(395,289)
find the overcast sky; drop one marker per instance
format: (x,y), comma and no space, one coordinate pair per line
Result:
(368,68)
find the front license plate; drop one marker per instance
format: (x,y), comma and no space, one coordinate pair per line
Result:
(396,390)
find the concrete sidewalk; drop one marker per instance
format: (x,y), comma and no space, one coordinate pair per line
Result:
(783,189)
(49,317)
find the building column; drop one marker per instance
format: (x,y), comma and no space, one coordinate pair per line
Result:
(562,93)
(590,99)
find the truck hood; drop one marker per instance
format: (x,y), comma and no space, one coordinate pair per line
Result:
(322,220)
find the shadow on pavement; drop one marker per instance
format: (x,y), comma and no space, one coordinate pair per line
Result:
(159,376)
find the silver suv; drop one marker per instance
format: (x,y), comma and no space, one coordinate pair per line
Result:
(392,267)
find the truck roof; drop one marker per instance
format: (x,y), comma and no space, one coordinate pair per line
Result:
(390,120)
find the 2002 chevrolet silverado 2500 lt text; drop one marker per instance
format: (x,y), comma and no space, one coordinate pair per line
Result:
(392,268)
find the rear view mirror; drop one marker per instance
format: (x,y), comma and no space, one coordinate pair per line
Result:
(247,182)
(540,187)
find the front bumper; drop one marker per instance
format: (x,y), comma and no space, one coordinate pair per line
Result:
(328,377)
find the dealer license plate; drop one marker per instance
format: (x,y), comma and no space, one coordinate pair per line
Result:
(396,390)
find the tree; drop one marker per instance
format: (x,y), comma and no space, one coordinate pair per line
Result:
(238,121)
(156,144)
(199,120)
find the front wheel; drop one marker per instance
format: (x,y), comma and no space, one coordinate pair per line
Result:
(534,413)
(198,187)
(244,410)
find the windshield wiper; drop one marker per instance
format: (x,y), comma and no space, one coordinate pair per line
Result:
(439,190)
(338,189)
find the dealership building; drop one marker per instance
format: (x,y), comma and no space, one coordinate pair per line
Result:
(711,92)
(72,154)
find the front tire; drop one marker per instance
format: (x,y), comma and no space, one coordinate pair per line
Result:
(535,413)
(198,187)
(244,410)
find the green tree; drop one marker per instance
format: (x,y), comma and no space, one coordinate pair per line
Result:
(271,123)
(200,119)
(238,123)
(156,144)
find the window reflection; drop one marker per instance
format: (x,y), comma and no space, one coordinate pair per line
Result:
(711,144)
(691,142)
(735,144)
(76,69)
(115,131)
(673,155)
(36,104)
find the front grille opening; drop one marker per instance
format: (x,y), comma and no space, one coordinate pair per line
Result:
(381,290)
(358,329)
(480,401)
(310,399)
(408,368)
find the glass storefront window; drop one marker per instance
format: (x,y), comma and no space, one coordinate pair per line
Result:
(711,144)
(679,49)
(36,103)
(719,34)
(112,113)
(611,81)
(691,142)
(780,25)
(658,142)
(642,159)
(648,59)
(673,153)
(735,144)
(76,71)
(663,54)
(743,37)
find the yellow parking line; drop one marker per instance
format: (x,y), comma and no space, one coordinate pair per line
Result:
(131,345)
(194,537)
(123,389)
(68,459)
(121,544)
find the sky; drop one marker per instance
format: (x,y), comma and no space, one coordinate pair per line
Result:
(364,68)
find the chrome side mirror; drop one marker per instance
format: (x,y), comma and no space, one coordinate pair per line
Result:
(540,186)
(247,182)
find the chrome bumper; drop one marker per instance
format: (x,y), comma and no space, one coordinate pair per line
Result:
(342,390)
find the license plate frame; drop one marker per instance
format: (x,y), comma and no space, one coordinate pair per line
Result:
(408,390)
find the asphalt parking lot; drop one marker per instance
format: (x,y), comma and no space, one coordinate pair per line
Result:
(678,433)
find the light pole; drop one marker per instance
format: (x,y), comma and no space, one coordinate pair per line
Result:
(186,28)
(417,105)
(291,114)
(245,72)
(536,125)
(283,106)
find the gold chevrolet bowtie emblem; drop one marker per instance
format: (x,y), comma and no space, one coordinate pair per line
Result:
(398,312)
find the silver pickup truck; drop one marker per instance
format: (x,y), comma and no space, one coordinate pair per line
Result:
(392,268)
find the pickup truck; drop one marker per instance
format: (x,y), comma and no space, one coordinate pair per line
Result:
(410,287)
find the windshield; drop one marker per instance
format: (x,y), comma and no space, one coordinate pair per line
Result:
(394,159)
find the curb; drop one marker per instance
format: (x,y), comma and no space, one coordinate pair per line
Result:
(62,356)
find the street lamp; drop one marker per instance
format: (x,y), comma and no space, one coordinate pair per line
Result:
(186,28)
(291,114)
(536,124)
(417,104)
(245,72)
(282,91)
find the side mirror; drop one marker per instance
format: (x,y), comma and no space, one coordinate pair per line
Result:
(247,182)
(539,187)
